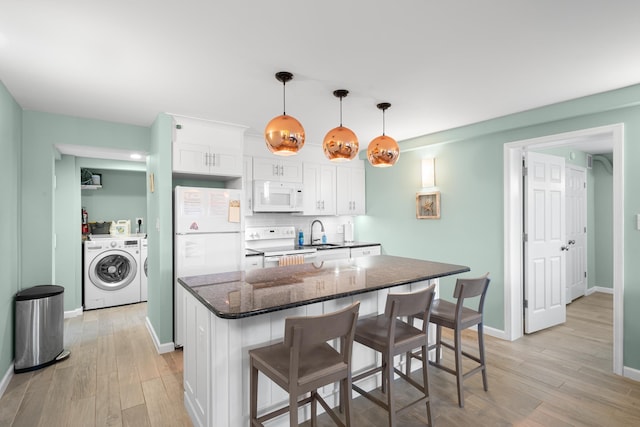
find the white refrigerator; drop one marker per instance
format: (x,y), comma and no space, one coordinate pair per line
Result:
(209,238)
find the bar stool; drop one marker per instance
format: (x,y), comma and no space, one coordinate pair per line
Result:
(304,361)
(390,335)
(458,317)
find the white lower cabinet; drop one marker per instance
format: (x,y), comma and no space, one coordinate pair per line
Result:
(253,262)
(197,359)
(332,254)
(365,251)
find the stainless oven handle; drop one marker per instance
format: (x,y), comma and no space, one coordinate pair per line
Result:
(309,256)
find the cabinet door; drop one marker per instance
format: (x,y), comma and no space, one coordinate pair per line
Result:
(291,170)
(327,189)
(277,170)
(365,251)
(266,169)
(358,191)
(197,357)
(225,161)
(190,158)
(311,201)
(350,191)
(247,186)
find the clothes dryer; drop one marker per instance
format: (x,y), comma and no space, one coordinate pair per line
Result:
(143,269)
(111,275)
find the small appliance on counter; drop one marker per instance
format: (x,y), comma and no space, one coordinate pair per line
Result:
(348,232)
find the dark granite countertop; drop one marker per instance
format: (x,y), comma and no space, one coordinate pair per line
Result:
(319,247)
(241,294)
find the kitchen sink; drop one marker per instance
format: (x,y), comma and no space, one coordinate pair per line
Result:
(322,245)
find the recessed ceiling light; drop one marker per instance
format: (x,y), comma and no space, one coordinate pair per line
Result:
(136,156)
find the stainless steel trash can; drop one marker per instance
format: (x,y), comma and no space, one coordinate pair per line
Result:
(39,324)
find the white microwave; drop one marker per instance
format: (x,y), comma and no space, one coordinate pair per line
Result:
(274,196)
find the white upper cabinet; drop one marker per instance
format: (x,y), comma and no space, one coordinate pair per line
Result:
(319,189)
(350,190)
(274,169)
(203,147)
(247,186)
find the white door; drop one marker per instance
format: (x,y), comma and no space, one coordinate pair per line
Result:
(576,196)
(545,243)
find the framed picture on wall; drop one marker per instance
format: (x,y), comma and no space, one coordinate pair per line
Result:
(428,205)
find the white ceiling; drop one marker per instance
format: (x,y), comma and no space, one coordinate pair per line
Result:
(441,64)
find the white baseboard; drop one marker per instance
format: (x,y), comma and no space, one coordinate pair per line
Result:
(6,379)
(73,313)
(631,373)
(160,348)
(495,332)
(599,289)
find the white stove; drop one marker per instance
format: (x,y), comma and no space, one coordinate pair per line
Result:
(278,244)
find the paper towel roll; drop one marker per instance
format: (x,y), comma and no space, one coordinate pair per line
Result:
(348,232)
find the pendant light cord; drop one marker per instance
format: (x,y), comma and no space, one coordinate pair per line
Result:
(284,98)
(341,111)
(383,126)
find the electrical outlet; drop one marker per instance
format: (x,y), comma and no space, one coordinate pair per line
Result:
(139,221)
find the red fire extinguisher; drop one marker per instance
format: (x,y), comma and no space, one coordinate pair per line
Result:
(85,221)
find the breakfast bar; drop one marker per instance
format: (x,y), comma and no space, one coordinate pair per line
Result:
(227,314)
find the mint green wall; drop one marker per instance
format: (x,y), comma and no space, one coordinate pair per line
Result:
(68,253)
(469,174)
(10,136)
(41,131)
(160,231)
(123,196)
(603,211)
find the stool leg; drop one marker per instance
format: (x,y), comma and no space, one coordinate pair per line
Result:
(293,408)
(458,352)
(390,400)
(314,408)
(383,387)
(438,343)
(425,379)
(481,349)
(253,393)
(345,399)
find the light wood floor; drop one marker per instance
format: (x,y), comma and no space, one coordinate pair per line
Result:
(557,377)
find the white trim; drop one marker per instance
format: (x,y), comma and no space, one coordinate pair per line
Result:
(73,313)
(160,348)
(602,289)
(631,373)
(497,333)
(513,231)
(6,379)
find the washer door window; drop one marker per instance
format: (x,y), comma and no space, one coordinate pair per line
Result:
(113,270)
(145,268)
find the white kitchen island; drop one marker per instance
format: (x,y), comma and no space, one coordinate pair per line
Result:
(228,314)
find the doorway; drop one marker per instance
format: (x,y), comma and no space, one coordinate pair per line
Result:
(513,212)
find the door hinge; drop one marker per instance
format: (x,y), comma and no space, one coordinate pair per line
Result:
(525,304)
(585,229)
(585,274)
(525,170)
(525,237)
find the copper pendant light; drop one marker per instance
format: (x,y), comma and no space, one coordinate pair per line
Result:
(340,144)
(383,151)
(284,135)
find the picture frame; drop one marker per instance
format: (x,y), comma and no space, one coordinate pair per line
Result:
(428,205)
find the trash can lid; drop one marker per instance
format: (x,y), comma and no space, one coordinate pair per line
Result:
(40,291)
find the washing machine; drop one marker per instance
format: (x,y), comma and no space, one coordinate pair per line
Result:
(111,272)
(143,269)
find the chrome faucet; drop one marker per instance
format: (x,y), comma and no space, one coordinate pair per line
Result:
(314,241)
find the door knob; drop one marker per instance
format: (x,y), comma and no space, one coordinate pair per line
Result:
(572,242)
(564,248)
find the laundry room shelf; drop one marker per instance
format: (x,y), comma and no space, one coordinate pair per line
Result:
(90,187)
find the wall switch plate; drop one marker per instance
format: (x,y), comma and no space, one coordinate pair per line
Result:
(637,221)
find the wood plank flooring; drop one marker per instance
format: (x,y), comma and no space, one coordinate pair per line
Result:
(557,377)
(114,377)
